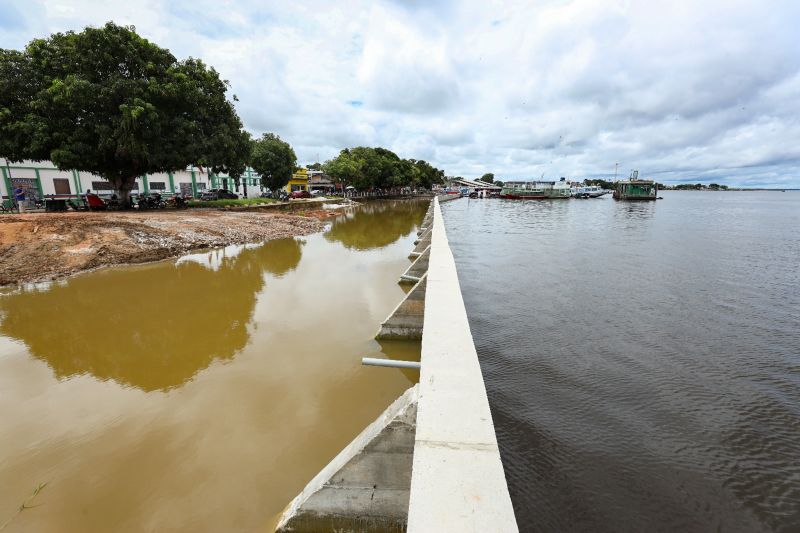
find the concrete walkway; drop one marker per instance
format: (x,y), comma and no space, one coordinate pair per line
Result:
(457,481)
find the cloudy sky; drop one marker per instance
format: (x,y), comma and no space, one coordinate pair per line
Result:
(682,90)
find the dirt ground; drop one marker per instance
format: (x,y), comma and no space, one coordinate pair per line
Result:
(47,246)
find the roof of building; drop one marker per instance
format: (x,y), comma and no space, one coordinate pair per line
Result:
(475,183)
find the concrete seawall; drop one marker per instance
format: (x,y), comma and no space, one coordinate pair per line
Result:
(457,481)
(430,462)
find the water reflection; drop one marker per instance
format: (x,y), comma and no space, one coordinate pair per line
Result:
(635,210)
(230,444)
(368,227)
(151,327)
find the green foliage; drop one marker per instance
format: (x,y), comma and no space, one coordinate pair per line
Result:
(609,185)
(274,159)
(344,169)
(108,101)
(230,202)
(488,177)
(364,167)
(314,166)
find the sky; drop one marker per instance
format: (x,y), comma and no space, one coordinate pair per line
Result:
(683,91)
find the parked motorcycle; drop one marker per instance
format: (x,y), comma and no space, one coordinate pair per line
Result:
(177,202)
(113,202)
(151,201)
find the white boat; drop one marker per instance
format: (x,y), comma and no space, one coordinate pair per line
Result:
(587,191)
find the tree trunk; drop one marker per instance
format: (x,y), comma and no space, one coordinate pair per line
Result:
(122,188)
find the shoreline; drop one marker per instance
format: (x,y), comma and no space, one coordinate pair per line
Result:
(38,248)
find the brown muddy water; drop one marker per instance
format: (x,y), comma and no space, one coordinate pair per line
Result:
(200,394)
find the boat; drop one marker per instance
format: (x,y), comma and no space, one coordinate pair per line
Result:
(634,189)
(587,191)
(535,190)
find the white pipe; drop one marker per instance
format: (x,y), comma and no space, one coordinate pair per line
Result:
(371,361)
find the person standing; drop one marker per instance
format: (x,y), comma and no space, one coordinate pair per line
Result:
(19,197)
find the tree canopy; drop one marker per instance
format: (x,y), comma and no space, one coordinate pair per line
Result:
(110,102)
(365,167)
(274,159)
(488,177)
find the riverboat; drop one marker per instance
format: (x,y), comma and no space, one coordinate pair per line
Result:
(635,189)
(535,190)
(588,191)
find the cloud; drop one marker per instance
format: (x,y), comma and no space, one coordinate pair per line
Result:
(683,91)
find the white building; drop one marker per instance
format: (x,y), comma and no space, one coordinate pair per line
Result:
(41,180)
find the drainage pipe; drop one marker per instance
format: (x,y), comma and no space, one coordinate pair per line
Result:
(371,361)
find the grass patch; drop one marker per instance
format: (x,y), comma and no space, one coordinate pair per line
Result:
(230,203)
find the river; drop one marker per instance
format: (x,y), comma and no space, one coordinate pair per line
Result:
(199,394)
(642,360)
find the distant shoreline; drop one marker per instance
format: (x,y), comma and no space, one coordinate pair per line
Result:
(728,190)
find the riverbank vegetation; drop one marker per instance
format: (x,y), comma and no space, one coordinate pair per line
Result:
(109,102)
(274,160)
(378,168)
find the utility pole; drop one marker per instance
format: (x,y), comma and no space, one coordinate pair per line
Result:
(615,171)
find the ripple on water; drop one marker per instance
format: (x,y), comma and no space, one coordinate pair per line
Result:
(642,360)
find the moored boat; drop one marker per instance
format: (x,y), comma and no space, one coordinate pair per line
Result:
(588,191)
(535,190)
(635,189)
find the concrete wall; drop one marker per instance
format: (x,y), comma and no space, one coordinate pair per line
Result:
(457,480)
(365,488)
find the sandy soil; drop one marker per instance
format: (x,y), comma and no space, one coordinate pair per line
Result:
(40,247)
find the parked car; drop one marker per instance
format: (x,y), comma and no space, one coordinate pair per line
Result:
(218,194)
(318,192)
(301,194)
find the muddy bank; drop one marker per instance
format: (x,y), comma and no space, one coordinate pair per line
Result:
(41,247)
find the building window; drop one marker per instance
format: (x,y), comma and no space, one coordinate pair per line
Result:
(201,186)
(106,186)
(158,186)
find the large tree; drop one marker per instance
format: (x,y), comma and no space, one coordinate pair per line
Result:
(110,102)
(488,177)
(274,159)
(365,167)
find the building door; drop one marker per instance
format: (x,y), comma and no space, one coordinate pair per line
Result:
(61,185)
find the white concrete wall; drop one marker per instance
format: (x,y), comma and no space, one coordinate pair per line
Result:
(457,480)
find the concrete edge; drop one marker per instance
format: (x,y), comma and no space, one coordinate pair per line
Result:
(457,481)
(423,279)
(355,447)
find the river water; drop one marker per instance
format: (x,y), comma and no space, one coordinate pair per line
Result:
(200,394)
(642,360)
